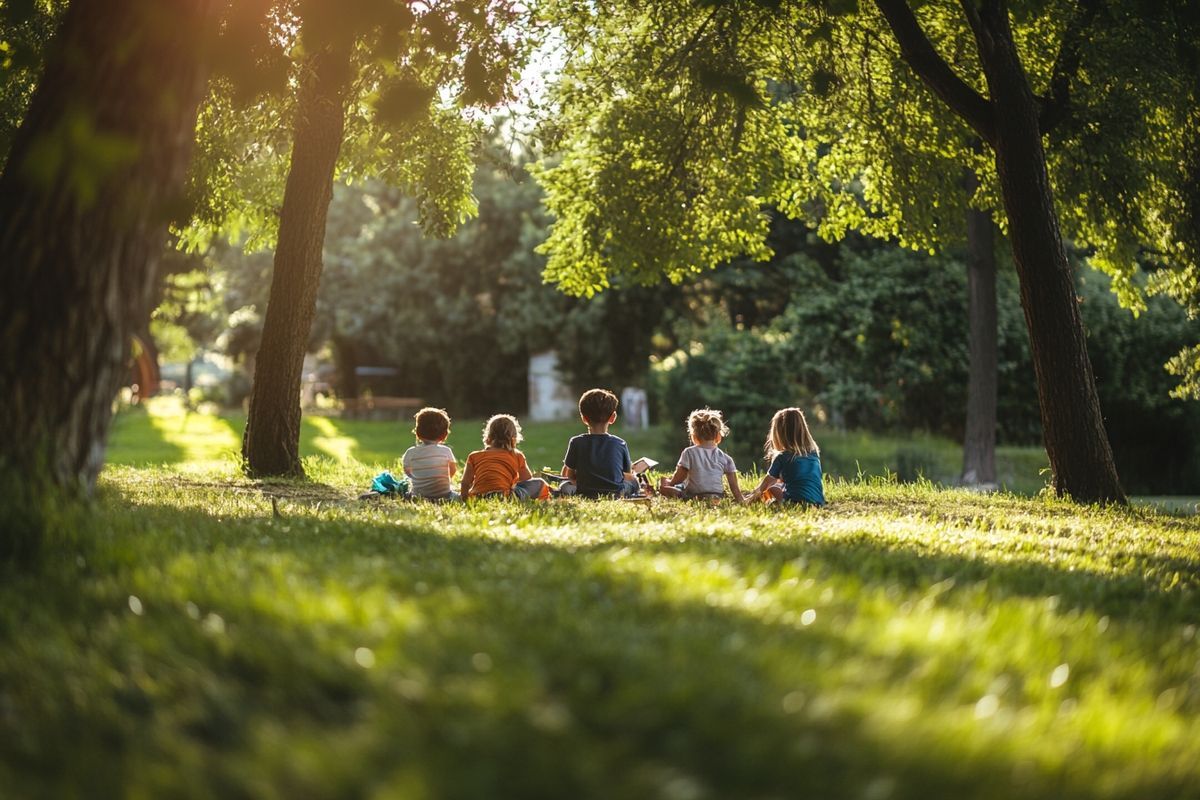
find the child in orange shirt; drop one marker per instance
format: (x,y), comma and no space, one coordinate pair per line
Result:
(500,470)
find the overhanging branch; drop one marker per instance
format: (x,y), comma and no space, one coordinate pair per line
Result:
(1057,102)
(931,68)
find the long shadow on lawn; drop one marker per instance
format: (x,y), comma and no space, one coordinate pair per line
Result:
(383,654)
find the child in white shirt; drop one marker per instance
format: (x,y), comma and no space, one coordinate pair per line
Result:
(702,466)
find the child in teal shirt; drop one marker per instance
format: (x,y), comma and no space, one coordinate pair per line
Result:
(794,475)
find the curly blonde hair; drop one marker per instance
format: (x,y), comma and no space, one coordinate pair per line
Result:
(502,430)
(706,424)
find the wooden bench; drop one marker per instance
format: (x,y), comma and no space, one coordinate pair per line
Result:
(380,407)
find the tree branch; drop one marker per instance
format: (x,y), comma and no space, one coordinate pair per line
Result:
(1056,104)
(679,55)
(921,56)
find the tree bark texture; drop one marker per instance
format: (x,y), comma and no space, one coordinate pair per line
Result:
(94,175)
(979,439)
(271,442)
(1072,424)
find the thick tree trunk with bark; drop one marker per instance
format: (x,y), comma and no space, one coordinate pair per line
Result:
(93,177)
(979,439)
(271,443)
(1072,425)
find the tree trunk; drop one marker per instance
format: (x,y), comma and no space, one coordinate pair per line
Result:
(1072,425)
(345,355)
(979,439)
(271,443)
(94,174)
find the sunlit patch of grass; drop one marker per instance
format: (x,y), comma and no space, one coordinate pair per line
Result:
(328,439)
(905,642)
(163,431)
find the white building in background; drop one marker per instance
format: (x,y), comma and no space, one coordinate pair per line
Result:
(635,408)
(549,398)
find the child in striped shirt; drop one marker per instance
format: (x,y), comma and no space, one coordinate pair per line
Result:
(429,464)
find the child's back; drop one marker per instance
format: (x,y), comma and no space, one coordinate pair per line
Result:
(495,470)
(600,462)
(429,464)
(801,476)
(706,465)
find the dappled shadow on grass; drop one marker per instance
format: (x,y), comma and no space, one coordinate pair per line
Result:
(335,657)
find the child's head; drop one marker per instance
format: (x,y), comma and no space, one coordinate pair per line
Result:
(706,425)
(597,406)
(433,424)
(502,430)
(790,434)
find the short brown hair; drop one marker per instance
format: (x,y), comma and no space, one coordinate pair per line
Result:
(502,430)
(705,424)
(433,424)
(597,406)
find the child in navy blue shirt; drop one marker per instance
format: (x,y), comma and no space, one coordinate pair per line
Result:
(597,463)
(794,475)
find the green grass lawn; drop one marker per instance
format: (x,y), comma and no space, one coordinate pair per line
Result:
(905,642)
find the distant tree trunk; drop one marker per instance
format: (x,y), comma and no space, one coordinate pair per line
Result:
(146,367)
(345,354)
(1072,425)
(271,443)
(979,439)
(82,223)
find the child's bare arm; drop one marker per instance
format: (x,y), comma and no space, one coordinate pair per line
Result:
(767,482)
(468,479)
(681,473)
(736,490)
(523,474)
(568,473)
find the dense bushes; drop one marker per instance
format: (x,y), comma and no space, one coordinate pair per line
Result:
(460,317)
(1155,438)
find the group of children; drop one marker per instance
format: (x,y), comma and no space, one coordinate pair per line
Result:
(597,464)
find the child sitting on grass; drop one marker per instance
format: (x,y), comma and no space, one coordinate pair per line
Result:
(429,464)
(794,475)
(500,469)
(597,464)
(702,466)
